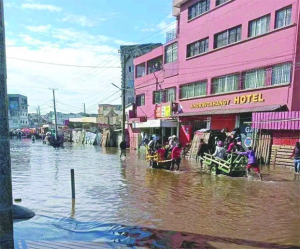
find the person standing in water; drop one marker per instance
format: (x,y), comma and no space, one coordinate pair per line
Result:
(220,151)
(251,161)
(123,148)
(176,156)
(296,156)
(202,149)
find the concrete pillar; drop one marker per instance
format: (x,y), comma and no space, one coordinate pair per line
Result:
(6,216)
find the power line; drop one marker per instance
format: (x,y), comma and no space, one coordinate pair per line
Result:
(57,64)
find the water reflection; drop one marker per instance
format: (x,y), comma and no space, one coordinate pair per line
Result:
(210,211)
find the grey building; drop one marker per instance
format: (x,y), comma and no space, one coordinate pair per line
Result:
(17,111)
(128,54)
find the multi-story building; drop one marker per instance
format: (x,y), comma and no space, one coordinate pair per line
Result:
(228,59)
(109,114)
(18,111)
(128,54)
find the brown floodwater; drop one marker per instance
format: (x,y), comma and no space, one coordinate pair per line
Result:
(125,202)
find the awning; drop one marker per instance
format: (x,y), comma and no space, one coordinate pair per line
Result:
(155,123)
(222,111)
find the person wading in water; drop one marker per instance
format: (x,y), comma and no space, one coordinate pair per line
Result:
(296,155)
(123,148)
(251,161)
(176,156)
(202,149)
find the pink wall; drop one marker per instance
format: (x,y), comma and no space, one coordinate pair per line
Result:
(264,120)
(275,47)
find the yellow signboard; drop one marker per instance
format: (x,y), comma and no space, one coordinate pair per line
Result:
(163,111)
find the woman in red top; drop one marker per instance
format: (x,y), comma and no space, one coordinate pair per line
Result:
(160,153)
(176,159)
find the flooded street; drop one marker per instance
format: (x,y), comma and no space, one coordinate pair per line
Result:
(126,203)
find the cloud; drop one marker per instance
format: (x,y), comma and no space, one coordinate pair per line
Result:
(9,42)
(75,85)
(32,41)
(36,6)
(164,26)
(39,29)
(121,42)
(82,20)
(9,5)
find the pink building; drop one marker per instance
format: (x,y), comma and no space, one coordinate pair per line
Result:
(227,60)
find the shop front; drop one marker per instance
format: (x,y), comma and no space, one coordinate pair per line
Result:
(232,112)
(159,128)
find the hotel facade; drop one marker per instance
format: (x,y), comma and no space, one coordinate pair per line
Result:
(226,60)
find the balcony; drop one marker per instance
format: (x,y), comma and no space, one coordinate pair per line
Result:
(178,3)
(171,35)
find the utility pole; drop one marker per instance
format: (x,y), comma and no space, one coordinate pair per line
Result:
(84,108)
(123,95)
(54,112)
(38,117)
(6,215)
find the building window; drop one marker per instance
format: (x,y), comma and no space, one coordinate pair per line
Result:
(140,100)
(283,17)
(198,47)
(225,84)
(171,52)
(159,97)
(171,95)
(163,96)
(140,70)
(154,65)
(282,74)
(254,79)
(219,2)
(198,9)
(259,26)
(129,69)
(193,90)
(228,37)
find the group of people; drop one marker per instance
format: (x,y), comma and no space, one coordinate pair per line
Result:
(171,151)
(231,146)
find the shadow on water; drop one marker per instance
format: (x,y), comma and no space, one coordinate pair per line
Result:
(134,236)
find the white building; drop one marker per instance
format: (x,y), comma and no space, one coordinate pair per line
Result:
(17,111)
(131,52)
(61,117)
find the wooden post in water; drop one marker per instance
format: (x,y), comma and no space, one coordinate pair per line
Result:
(6,215)
(73,183)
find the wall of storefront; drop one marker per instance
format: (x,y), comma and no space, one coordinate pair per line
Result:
(288,138)
(227,122)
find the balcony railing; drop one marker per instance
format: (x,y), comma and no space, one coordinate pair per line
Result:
(171,35)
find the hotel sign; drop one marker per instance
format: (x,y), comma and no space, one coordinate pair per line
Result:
(243,99)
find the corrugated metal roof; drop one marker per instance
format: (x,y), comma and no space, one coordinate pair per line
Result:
(229,111)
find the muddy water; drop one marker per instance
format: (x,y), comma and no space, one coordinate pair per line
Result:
(124,202)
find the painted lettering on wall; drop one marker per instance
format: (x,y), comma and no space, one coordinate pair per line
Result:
(210,104)
(250,98)
(238,100)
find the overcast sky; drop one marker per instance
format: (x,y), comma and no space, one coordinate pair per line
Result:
(76,32)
